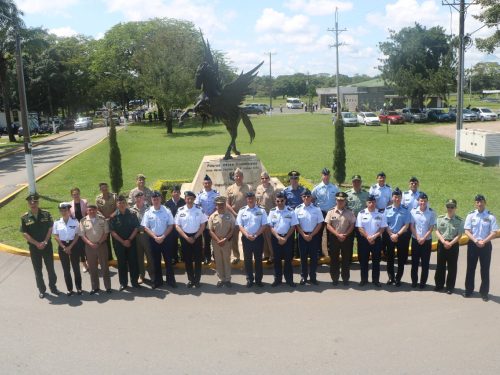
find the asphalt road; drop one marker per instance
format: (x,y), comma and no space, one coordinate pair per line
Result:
(46,156)
(307,330)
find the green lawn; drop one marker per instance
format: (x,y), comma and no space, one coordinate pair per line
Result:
(303,142)
(5,144)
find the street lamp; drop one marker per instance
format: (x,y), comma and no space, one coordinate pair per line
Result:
(123,97)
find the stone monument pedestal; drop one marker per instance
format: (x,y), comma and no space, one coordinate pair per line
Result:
(222,173)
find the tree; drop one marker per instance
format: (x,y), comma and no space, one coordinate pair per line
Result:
(483,76)
(419,61)
(339,157)
(491,16)
(115,160)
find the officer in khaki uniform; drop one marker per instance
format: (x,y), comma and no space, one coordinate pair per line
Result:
(106,205)
(94,230)
(235,195)
(36,227)
(142,239)
(221,228)
(266,196)
(140,180)
(356,200)
(449,230)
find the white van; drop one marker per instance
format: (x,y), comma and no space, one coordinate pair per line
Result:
(293,103)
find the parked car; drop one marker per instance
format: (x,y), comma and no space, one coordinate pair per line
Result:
(264,107)
(413,115)
(33,130)
(467,115)
(252,109)
(3,130)
(438,115)
(368,118)
(484,114)
(392,117)
(348,119)
(45,128)
(83,123)
(58,123)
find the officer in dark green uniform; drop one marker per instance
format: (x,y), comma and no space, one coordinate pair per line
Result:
(36,227)
(123,225)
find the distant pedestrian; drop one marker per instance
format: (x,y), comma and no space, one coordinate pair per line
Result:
(150,117)
(281,108)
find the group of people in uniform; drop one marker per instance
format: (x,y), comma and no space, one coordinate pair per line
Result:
(275,226)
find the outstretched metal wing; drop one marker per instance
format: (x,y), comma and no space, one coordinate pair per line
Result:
(227,103)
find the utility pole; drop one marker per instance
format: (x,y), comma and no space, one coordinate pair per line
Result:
(336,45)
(270,84)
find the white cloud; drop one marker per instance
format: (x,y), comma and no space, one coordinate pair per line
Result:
(246,60)
(99,35)
(318,7)
(45,6)
(63,31)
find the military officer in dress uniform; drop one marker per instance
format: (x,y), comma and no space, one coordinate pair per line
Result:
(252,221)
(174,203)
(481,227)
(106,205)
(310,223)
(221,227)
(423,220)
(142,239)
(36,227)
(235,195)
(205,199)
(397,236)
(190,222)
(410,197)
(265,194)
(449,230)
(371,223)
(356,200)
(340,222)
(158,223)
(323,196)
(141,186)
(293,195)
(382,192)
(123,225)
(282,221)
(93,231)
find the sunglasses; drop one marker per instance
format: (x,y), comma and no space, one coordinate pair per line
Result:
(280,200)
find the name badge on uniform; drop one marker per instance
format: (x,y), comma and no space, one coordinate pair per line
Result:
(258,213)
(182,215)
(44,219)
(197,214)
(29,223)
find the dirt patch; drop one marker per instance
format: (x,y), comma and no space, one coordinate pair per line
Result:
(448,131)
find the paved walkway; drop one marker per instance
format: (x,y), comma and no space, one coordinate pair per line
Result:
(307,330)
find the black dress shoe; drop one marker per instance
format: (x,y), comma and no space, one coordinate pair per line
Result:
(346,283)
(249,284)
(79,292)
(302,281)
(235,261)
(69,294)
(421,286)
(291,283)
(197,284)
(276,283)
(486,298)
(413,285)
(173,262)
(398,283)
(269,261)
(390,282)
(449,291)
(219,284)
(173,285)
(109,291)
(189,284)
(55,291)
(41,295)
(155,286)
(437,289)
(362,283)
(315,282)
(206,261)
(259,284)
(137,286)
(335,283)
(122,288)
(229,284)
(377,284)
(93,291)
(466,295)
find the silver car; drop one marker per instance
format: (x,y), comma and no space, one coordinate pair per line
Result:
(485,114)
(348,119)
(83,123)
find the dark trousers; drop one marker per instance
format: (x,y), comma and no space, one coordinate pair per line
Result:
(255,248)
(46,256)
(420,254)
(68,262)
(175,245)
(110,240)
(336,249)
(283,252)
(207,240)
(127,261)
(446,257)
(474,254)
(308,249)
(192,253)
(79,249)
(402,245)
(157,250)
(364,250)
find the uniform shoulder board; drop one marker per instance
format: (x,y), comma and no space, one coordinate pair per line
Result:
(431,209)
(101,216)
(48,210)
(216,191)
(274,208)
(458,217)
(362,190)
(491,213)
(362,211)
(388,185)
(317,184)
(381,211)
(289,208)
(391,206)
(374,186)
(99,196)
(26,213)
(333,208)
(244,207)
(314,204)
(404,206)
(133,212)
(197,206)
(472,212)
(182,208)
(443,216)
(201,191)
(113,214)
(300,205)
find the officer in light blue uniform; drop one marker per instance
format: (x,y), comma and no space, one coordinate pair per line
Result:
(205,199)
(410,197)
(282,220)
(252,221)
(310,223)
(481,227)
(382,192)
(371,222)
(323,195)
(397,236)
(293,193)
(423,220)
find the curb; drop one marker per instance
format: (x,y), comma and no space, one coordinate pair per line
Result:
(21,148)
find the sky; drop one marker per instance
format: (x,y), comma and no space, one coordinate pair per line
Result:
(294,31)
